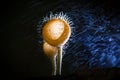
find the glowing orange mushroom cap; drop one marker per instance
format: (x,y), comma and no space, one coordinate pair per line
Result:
(56,32)
(49,50)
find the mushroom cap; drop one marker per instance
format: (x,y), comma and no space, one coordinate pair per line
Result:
(49,50)
(56,32)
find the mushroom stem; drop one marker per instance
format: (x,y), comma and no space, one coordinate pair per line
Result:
(59,60)
(54,65)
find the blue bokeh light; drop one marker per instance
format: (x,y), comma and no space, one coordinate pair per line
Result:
(96,39)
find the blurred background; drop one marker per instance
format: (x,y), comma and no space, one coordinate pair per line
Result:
(94,45)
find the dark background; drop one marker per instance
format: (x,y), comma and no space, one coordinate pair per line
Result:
(22,55)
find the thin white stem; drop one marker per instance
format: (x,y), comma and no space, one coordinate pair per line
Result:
(59,60)
(54,65)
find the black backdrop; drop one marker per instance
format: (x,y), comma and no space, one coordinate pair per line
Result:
(21,52)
